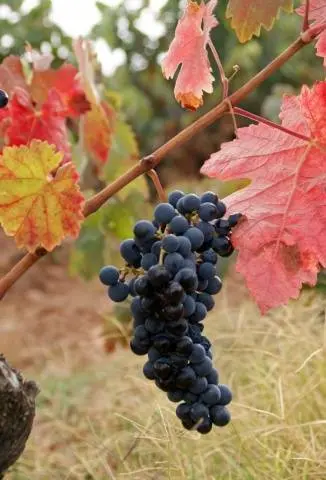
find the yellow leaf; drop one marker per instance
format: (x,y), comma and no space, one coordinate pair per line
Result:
(248,16)
(40,204)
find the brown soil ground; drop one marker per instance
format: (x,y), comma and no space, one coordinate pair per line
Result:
(48,311)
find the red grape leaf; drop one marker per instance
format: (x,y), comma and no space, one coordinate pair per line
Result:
(248,16)
(282,240)
(317,12)
(188,49)
(12,75)
(40,204)
(67,84)
(25,123)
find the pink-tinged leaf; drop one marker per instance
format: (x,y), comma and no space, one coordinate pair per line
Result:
(188,49)
(12,75)
(282,241)
(317,13)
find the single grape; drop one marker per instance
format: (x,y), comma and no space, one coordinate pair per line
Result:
(172,312)
(118,292)
(209,197)
(141,333)
(223,246)
(198,354)
(222,227)
(209,256)
(234,219)
(162,343)
(163,213)
(184,247)
(190,398)
(185,346)
(170,243)
(138,348)
(186,378)
(182,410)
(199,386)
(187,279)
(206,271)
(109,275)
(148,371)
(203,368)
(207,230)
(143,286)
(144,229)
(163,368)
(212,377)
(208,211)
(199,314)
(180,206)
(207,300)
(175,395)
(205,426)
(175,196)
(226,395)
(178,225)
(153,354)
(174,293)
(191,202)
(130,252)
(214,286)
(189,306)
(211,395)
(158,276)
(195,236)
(220,415)
(178,328)
(221,208)
(148,261)
(173,262)
(4,99)
(199,411)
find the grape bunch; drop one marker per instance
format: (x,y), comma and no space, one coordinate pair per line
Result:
(172,264)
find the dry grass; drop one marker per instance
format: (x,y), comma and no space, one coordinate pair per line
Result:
(103,420)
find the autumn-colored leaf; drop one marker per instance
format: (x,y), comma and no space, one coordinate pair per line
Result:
(188,49)
(12,75)
(317,12)
(248,16)
(66,82)
(97,126)
(26,123)
(40,204)
(282,241)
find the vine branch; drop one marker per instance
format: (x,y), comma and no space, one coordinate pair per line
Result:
(150,162)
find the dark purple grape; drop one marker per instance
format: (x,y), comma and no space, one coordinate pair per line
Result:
(109,275)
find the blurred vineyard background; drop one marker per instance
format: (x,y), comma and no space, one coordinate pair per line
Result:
(57,319)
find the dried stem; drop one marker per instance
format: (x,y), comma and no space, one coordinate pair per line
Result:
(258,118)
(161,193)
(150,162)
(224,79)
